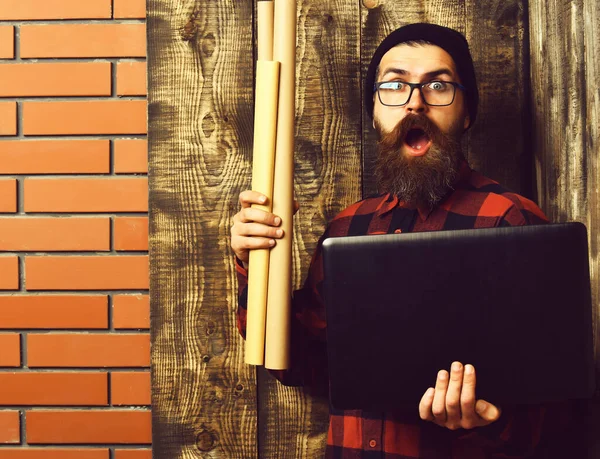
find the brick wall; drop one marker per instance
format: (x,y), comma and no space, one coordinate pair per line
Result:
(74,312)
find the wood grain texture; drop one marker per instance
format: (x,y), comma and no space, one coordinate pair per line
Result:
(201,110)
(565,64)
(496,145)
(293,424)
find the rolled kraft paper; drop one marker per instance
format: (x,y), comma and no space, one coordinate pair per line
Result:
(263,163)
(277,343)
(265,30)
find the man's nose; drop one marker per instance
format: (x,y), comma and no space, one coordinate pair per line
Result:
(416,102)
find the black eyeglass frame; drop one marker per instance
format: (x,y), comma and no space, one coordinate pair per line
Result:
(420,86)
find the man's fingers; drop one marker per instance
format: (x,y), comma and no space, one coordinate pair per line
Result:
(249,215)
(438,408)
(252,243)
(486,411)
(425,405)
(258,229)
(467,399)
(453,396)
(249,197)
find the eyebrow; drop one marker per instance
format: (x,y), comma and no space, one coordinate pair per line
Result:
(432,74)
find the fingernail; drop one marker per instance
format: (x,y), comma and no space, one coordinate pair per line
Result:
(456,366)
(279,233)
(271,242)
(277,220)
(262,199)
(469,369)
(482,405)
(442,375)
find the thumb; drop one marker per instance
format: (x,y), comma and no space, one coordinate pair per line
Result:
(487,411)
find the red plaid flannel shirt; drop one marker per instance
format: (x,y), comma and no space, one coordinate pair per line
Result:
(476,202)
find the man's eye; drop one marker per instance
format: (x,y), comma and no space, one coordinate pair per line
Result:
(437,85)
(393,85)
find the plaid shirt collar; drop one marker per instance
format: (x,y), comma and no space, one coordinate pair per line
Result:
(391,201)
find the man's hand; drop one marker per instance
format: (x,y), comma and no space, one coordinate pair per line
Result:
(253,228)
(452,403)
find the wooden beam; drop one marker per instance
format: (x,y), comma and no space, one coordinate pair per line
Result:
(293,424)
(565,64)
(201,78)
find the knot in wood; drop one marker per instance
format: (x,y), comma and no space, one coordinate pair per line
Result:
(206,440)
(190,29)
(370,4)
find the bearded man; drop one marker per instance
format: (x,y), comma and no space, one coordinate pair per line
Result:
(421,92)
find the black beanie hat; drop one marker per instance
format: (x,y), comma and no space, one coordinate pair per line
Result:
(453,42)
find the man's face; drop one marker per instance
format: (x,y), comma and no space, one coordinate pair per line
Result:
(420,64)
(419,144)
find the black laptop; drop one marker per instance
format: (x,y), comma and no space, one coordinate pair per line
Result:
(514,302)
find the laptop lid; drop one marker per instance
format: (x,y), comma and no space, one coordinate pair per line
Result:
(514,302)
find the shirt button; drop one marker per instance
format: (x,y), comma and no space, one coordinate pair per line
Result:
(398,231)
(372,443)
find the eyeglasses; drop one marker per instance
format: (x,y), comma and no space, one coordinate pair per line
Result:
(397,93)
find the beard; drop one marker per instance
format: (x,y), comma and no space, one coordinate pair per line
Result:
(418,180)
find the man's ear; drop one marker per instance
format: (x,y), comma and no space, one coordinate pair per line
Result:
(467,122)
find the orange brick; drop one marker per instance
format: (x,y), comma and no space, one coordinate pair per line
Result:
(131,79)
(130,388)
(45,452)
(131,156)
(47,234)
(10,426)
(131,454)
(88,350)
(9,273)
(64,79)
(86,194)
(54,9)
(54,156)
(83,40)
(131,233)
(8,195)
(10,351)
(86,273)
(129,9)
(7,42)
(53,388)
(114,426)
(54,311)
(8,118)
(85,117)
(131,311)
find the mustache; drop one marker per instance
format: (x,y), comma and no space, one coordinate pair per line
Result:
(394,139)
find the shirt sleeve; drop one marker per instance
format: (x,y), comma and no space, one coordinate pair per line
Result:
(308,352)
(551,430)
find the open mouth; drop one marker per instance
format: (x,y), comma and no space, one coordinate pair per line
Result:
(418,141)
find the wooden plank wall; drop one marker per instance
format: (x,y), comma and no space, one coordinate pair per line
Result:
(206,402)
(565,76)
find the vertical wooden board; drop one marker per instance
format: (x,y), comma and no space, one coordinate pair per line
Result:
(499,142)
(558,93)
(565,64)
(591,14)
(200,118)
(293,424)
(495,31)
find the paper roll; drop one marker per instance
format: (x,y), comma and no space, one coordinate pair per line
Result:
(265,30)
(265,123)
(280,265)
